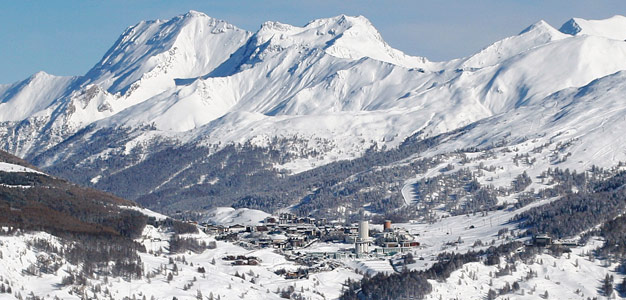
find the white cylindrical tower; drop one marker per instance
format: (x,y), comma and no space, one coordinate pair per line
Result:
(364,231)
(362,242)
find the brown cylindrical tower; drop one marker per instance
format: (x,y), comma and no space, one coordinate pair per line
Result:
(387,225)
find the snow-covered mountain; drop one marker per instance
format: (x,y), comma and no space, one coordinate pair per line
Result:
(612,28)
(327,91)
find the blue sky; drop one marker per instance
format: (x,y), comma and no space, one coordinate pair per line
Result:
(69,37)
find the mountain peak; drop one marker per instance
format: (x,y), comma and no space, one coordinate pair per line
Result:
(611,28)
(537,34)
(334,25)
(570,27)
(539,25)
(341,21)
(342,24)
(275,26)
(341,36)
(193,13)
(41,73)
(182,47)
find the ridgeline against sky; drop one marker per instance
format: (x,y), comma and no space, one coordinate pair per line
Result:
(65,38)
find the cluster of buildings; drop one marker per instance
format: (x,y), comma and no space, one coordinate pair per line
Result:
(241,260)
(395,240)
(291,232)
(287,231)
(545,240)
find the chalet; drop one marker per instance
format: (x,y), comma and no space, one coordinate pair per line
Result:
(287,218)
(279,241)
(237,228)
(542,240)
(239,262)
(214,229)
(270,220)
(304,227)
(264,242)
(568,243)
(326,255)
(321,222)
(280,244)
(296,241)
(242,260)
(296,275)
(312,232)
(351,230)
(275,232)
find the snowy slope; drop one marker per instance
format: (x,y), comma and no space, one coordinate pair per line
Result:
(574,129)
(382,114)
(532,75)
(7,167)
(342,36)
(144,62)
(32,95)
(535,35)
(304,64)
(571,276)
(218,280)
(148,58)
(586,120)
(228,216)
(612,28)
(568,276)
(151,54)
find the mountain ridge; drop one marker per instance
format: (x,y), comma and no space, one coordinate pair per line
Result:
(312,91)
(612,27)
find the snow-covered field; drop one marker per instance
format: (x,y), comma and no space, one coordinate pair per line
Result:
(570,276)
(227,216)
(258,282)
(7,167)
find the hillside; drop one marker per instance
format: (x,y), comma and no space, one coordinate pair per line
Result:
(62,241)
(474,256)
(35,201)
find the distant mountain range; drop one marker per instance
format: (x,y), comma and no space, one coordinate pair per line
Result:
(193,112)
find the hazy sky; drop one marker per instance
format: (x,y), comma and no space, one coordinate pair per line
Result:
(69,37)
